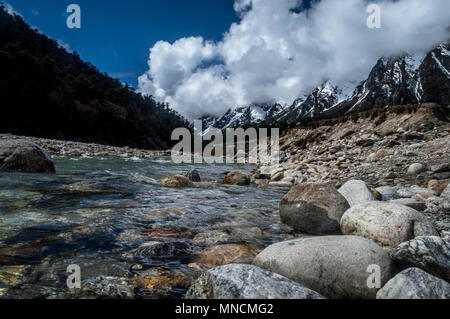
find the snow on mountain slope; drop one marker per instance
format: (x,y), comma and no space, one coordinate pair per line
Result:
(404,79)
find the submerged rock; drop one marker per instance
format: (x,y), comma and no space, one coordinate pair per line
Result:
(313,208)
(334,266)
(431,254)
(237,178)
(386,223)
(212,237)
(178,181)
(414,283)
(159,249)
(239,281)
(159,283)
(356,192)
(104,287)
(24,157)
(224,254)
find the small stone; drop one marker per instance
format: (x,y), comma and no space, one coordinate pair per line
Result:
(415,169)
(177,181)
(193,176)
(237,178)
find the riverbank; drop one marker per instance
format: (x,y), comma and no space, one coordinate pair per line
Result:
(70,148)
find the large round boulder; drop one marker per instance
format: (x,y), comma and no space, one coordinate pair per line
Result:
(313,208)
(237,178)
(414,283)
(24,157)
(386,223)
(334,266)
(356,192)
(241,281)
(431,254)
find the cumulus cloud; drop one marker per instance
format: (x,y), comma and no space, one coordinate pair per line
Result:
(279,51)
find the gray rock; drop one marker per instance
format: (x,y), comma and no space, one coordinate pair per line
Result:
(441,168)
(356,192)
(431,254)
(387,224)
(193,176)
(446,193)
(24,157)
(404,193)
(240,281)
(414,283)
(313,208)
(415,204)
(334,266)
(415,169)
(387,192)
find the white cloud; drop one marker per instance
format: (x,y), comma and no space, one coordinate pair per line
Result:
(275,54)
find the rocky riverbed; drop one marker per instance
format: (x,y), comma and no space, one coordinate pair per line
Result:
(357,208)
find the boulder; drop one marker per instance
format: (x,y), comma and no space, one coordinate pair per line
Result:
(356,192)
(178,181)
(237,178)
(193,176)
(431,254)
(313,208)
(414,283)
(387,224)
(240,281)
(334,266)
(24,157)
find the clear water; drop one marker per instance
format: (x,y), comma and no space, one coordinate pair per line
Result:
(95,210)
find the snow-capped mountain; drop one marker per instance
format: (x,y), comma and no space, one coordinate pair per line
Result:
(242,116)
(404,79)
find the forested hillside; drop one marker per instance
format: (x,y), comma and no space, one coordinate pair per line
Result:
(46,91)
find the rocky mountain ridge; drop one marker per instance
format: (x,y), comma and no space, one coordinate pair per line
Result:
(397,80)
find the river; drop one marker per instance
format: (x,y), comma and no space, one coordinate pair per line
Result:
(96,213)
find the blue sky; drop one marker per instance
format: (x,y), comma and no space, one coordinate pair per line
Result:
(116,35)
